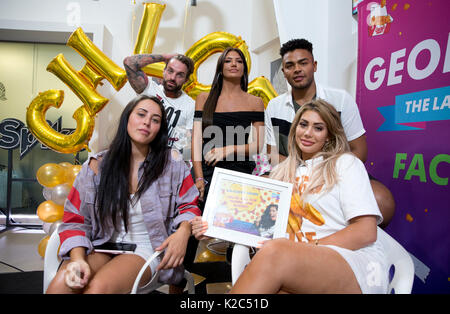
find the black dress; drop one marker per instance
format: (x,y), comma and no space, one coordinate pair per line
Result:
(229,128)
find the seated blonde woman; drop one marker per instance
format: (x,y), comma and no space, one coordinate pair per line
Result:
(336,249)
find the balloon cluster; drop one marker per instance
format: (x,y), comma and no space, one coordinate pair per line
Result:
(198,52)
(84,82)
(57,180)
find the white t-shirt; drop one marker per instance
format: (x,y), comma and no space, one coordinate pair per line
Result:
(180,115)
(351,197)
(280,113)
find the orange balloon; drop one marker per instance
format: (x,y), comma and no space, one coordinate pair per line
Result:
(50,175)
(49,211)
(71,173)
(65,164)
(42,246)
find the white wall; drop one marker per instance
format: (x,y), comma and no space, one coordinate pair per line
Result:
(330,27)
(326,23)
(264,42)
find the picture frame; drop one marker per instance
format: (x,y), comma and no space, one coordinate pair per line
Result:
(246,209)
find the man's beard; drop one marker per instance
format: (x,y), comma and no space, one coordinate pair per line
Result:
(303,85)
(173,89)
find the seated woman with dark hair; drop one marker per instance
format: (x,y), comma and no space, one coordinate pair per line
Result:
(139,192)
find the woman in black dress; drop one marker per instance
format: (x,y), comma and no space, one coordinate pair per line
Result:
(224,120)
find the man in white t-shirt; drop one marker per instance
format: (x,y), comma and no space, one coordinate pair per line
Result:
(298,66)
(179,106)
(179,109)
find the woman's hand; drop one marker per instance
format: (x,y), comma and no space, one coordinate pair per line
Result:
(199,227)
(77,274)
(200,184)
(218,154)
(261,244)
(175,246)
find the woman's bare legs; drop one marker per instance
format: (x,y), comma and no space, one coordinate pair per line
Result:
(118,275)
(58,285)
(109,274)
(286,266)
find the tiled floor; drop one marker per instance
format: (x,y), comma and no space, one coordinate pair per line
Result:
(19,248)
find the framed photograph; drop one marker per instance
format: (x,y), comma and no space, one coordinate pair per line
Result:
(246,209)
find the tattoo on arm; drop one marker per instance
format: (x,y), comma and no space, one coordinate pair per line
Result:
(133,66)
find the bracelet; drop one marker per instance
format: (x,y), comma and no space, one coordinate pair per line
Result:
(199,178)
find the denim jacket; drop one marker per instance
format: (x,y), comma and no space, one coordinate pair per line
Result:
(170,200)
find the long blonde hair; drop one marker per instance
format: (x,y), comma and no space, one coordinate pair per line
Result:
(323,173)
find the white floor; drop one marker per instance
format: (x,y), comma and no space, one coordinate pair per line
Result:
(19,248)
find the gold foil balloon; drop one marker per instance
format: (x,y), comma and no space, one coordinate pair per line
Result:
(203,49)
(217,42)
(50,175)
(147,36)
(42,246)
(48,211)
(79,84)
(96,59)
(71,173)
(83,83)
(262,88)
(45,134)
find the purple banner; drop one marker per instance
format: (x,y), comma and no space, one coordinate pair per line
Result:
(403,93)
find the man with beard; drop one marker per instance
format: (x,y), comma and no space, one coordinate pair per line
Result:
(299,66)
(179,106)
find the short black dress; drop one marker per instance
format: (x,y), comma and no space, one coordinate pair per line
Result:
(228,128)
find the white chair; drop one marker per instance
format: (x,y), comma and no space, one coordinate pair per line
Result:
(239,259)
(52,262)
(401,282)
(153,284)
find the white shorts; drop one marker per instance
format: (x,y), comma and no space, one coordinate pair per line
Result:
(146,252)
(369,266)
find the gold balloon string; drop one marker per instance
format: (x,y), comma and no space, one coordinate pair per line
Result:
(133,19)
(35,64)
(186,13)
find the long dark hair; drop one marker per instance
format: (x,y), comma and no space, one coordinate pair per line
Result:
(216,87)
(266,221)
(112,197)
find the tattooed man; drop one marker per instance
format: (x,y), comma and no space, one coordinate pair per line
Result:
(179,106)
